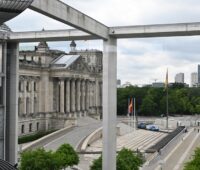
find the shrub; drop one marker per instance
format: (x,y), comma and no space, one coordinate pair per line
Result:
(40,159)
(33,137)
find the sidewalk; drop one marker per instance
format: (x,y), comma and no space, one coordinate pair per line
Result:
(181,153)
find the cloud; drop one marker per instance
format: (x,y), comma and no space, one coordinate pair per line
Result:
(139,60)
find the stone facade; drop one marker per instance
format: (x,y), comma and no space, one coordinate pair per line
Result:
(55,87)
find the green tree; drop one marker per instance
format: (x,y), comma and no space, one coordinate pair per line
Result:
(148,106)
(194,164)
(97,164)
(126,160)
(68,156)
(38,159)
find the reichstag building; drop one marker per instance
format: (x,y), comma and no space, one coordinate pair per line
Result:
(56,87)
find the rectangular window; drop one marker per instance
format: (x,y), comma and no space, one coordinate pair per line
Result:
(30,127)
(35,86)
(1,91)
(38,126)
(20,86)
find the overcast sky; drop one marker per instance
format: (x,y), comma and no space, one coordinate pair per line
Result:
(140,61)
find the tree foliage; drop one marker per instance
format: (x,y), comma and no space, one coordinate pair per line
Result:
(68,156)
(47,160)
(152,101)
(126,159)
(194,164)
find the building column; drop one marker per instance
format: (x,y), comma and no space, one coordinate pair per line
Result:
(109,103)
(32,96)
(67,96)
(62,104)
(73,95)
(87,95)
(24,96)
(97,95)
(50,106)
(83,96)
(93,94)
(78,95)
(90,91)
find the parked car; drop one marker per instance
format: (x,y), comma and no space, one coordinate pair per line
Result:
(142,125)
(152,127)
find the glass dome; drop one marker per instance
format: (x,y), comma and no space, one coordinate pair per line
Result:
(11,8)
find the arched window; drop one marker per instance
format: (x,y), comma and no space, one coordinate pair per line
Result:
(22,129)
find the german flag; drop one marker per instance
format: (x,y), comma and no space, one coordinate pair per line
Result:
(130,107)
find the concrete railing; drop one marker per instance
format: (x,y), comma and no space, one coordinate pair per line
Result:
(158,156)
(97,134)
(94,136)
(46,139)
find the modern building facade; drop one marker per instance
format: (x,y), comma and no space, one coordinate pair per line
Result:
(55,87)
(179,78)
(194,79)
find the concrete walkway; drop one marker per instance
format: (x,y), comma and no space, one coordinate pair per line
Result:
(85,126)
(181,153)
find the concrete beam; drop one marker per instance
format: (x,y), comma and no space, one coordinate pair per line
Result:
(66,14)
(159,30)
(53,35)
(143,31)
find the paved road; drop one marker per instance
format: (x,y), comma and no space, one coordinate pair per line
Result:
(85,127)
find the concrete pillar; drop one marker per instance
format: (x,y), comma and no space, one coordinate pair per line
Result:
(83,96)
(51,102)
(12,102)
(97,95)
(78,96)
(62,93)
(93,94)
(32,96)
(73,95)
(109,103)
(87,95)
(68,95)
(24,96)
(3,100)
(44,92)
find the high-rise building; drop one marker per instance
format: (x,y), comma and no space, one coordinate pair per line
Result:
(118,83)
(194,79)
(198,74)
(179,78)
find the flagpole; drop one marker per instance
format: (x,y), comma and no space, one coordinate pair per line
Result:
(167,101)
(134,115)
(167,107)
